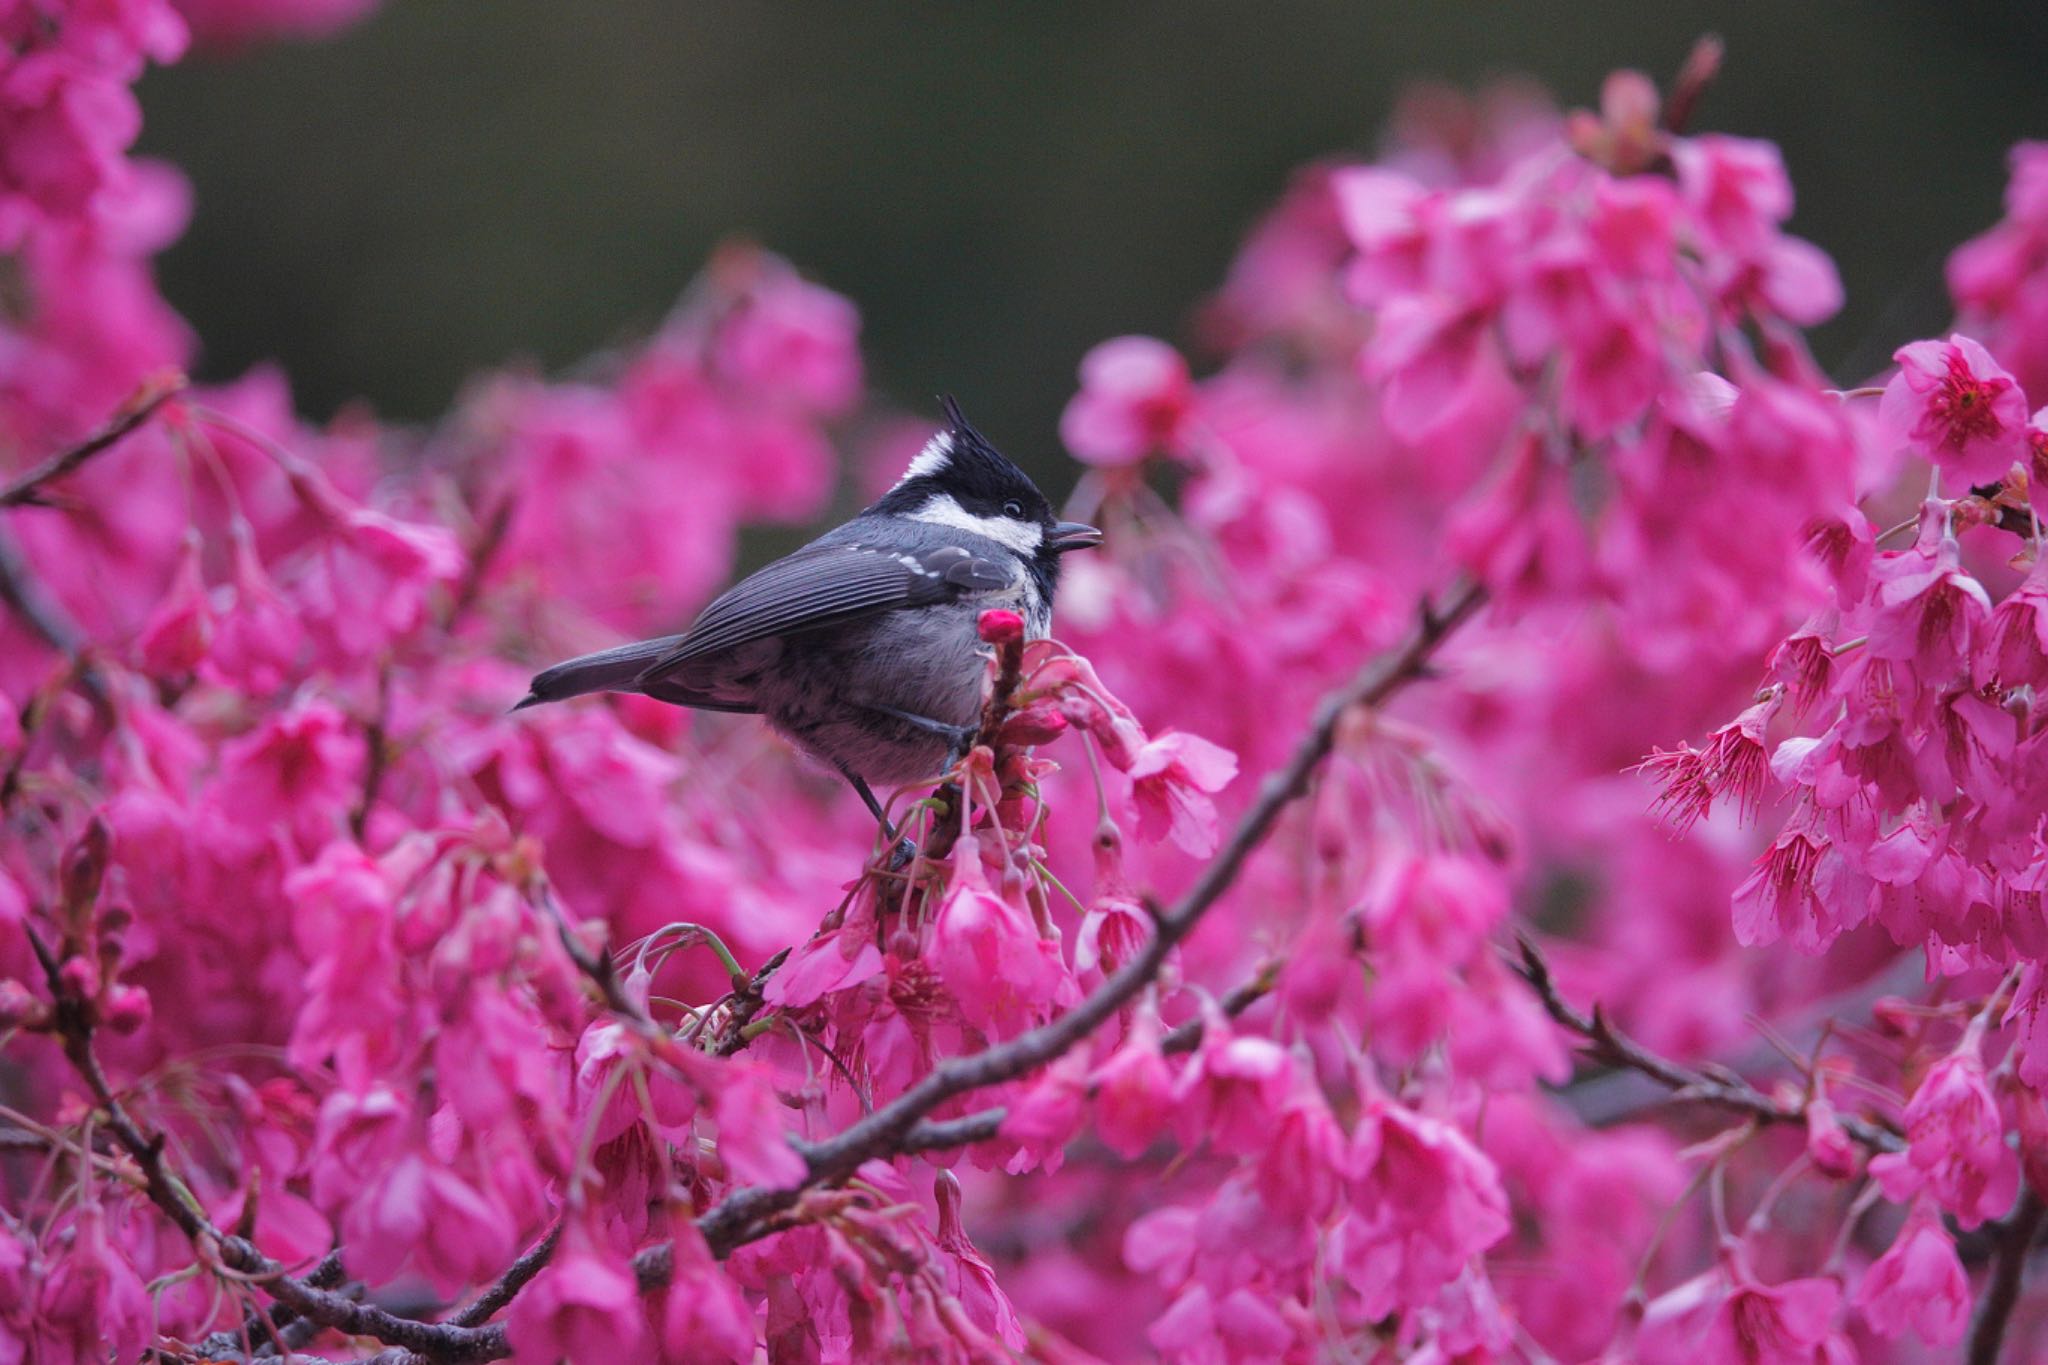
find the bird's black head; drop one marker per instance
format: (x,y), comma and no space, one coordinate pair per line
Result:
(960,480)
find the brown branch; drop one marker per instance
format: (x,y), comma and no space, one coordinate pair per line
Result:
(482,553)
(377,760)
(151,394)
(1725,1089)
(327,1275)
(1188,1036)
(731,1222)
(597,966)
(73,1026)
(512,1281)
(746,1003)
(1987,1337)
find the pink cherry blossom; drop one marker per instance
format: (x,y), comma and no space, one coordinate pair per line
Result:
(1956,1145)
(1136,399)
(583,1306)
(1954,404)
(1172,779)
(1918,1285)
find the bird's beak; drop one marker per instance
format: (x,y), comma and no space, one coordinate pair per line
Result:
(1073,535)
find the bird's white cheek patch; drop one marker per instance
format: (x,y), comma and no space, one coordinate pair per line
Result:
(942,510)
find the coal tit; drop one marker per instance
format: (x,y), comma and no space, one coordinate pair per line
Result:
(862,646)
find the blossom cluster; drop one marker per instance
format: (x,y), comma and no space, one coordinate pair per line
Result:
(342,1009)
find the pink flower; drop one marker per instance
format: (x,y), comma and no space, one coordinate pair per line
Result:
(1779,1324)
(1133,1090)
(92,1304)
(1928,612)
(301,767)
(1429,354)
(751,1119)
(585,1306)
(969,1276)
(1737,186)
(1242,1328)
(1172,778)
(1230,1097)
(1829,1146)
(1734,763)
(1956,1145)
(1302,1170)
(176,636)
(1003,975)
(2013,652)
(704,1318)
(1803,887)
(1136,399)
(1952,403)
(1045,1113)
(1425,1202)
(421,1211)
(1918,1284)
(788,338)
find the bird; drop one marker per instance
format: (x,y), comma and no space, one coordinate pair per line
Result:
(862,646)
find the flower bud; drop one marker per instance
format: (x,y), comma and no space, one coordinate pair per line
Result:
(125,1009)
(84,864)
(1000,627)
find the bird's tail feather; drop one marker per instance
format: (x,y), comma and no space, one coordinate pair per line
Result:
(608,670)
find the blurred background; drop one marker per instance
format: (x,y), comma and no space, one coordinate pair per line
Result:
(450,186)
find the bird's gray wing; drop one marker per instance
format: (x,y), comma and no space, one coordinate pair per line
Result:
(829,584)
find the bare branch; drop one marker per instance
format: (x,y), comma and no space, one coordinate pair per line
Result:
(1987,1337)
(153,393)
(1721,1088)
(512,1281)
(597,966)
(1241,997)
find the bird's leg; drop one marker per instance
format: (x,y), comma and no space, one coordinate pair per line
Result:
(905,850)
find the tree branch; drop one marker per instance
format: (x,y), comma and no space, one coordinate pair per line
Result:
(171,1195)
(512,1281)
(730,1223)
(151,394)
(1726,1089)
(1987,1337)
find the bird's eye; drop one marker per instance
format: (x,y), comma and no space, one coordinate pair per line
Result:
(1013,508)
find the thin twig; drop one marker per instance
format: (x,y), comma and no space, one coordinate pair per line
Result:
(1987,1337)
(377,741)
(154,392)
(597,966)
(746,1003)
(1241,997)
(512,1281)
(1721,1088)
(171,1195)
(1702,65)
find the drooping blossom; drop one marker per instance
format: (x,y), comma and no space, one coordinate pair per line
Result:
(1955,405)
